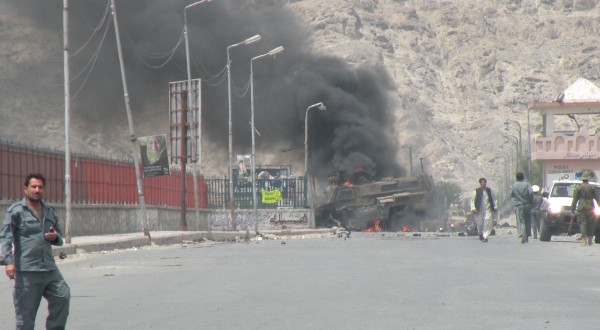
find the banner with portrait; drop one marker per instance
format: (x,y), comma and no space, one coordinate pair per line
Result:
(155,158)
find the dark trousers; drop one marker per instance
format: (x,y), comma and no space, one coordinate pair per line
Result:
(536,218)
(523,221)
(30,287)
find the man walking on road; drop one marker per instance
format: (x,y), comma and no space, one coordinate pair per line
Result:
(583,201)
(482,208)
(29,230)
(522,198)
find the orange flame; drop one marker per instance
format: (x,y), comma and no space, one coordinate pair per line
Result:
(405,229)
(375,228)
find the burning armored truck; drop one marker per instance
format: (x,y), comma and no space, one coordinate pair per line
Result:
(391,204)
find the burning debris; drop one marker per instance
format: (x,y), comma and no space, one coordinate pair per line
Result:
(376,227)
(377,205)
(342,233)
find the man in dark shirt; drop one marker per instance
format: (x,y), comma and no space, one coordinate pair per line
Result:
(483,207)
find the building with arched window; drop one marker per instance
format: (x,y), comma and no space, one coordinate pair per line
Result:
(564,154)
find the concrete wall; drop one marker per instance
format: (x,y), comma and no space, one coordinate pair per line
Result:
(89,220)
(566,147)
(268,219)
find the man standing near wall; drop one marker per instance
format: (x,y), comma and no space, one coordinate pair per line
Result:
(522,198)
(29,230)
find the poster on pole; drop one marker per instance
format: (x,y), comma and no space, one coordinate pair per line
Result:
(155,157)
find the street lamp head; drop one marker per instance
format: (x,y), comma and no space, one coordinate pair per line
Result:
(275,51)
(195,4)
(319,106)
(252,39)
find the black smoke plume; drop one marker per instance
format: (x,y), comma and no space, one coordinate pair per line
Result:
(355,132)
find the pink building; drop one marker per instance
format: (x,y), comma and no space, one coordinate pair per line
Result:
(565,154)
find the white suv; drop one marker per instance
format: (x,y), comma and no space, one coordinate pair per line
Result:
(559,209)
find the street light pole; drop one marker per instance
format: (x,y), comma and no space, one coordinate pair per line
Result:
(248,41)
(509,158)
(505,179)
(199,113)
(506,134)
(508,151)
(518,128)
(528,147)
(273,53)
(321,107)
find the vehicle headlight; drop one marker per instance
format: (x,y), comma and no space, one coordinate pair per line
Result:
(597,211)
(553,208)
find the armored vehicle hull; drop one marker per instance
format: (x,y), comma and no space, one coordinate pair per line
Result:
(390,204)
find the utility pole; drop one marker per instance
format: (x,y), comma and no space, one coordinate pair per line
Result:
(198,149)
(67,122)
(184,106)
(134,141)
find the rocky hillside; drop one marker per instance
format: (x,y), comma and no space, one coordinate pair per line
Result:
(459,68)
(463,67)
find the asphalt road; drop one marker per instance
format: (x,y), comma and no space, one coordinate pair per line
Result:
(369,281)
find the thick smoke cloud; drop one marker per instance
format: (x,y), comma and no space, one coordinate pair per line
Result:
(354,132)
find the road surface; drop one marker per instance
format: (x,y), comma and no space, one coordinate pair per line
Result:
(368,281)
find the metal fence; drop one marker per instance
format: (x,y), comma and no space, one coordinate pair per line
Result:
(293,193)
(96,180)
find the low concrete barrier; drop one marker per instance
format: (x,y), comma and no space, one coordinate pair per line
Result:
(89,220)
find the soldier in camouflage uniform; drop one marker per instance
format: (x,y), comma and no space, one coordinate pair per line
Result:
(583,198)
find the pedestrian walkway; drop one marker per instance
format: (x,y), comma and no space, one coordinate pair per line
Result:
(88,244)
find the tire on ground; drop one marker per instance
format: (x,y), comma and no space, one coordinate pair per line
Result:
(545,234)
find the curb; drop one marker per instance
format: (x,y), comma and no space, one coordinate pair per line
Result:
(110,243)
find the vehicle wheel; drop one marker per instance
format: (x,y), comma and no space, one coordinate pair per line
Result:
(545,234)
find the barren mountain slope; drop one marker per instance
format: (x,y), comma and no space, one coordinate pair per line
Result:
(461,69)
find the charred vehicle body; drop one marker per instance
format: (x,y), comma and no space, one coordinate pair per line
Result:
(392,204)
